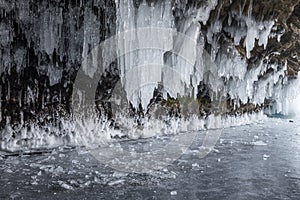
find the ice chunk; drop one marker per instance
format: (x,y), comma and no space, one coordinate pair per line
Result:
(259,143)
(65,185)
(266,156)
(116,182)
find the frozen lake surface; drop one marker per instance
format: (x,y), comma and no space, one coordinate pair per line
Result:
(257,161)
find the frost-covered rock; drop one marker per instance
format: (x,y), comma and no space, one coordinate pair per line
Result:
(251,48)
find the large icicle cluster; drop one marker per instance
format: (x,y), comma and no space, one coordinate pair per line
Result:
(230,74)
(179,52)
(134,56)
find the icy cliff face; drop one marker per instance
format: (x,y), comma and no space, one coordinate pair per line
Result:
(229,56)
(239,74)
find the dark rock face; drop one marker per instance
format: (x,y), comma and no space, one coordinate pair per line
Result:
(41,50)
(287,22)
(42,44)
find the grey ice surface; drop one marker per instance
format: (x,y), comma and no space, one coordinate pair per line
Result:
(257,161)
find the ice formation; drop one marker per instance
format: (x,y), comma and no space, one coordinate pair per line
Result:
(169,43)
(93,134)
(229,72)
(135,51)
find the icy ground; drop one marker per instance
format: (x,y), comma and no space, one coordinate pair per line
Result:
(257,161)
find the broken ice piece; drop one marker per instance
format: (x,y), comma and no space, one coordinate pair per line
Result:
(86,184)
(58,170)
(8,171)
(116,182)
(65,185)
(119,174)
(265,157)
(61,155)
(34,183)
(97,180)
(195,165)
(216,150)
(75,162)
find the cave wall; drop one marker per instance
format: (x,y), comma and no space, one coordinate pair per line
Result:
(41,48)
(42,44)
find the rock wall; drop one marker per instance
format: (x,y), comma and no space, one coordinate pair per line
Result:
(255,45)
